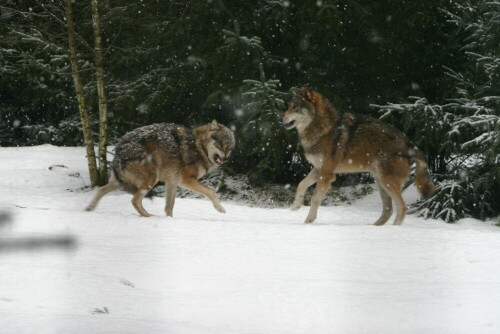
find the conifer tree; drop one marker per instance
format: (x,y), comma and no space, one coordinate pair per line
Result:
(466,130)
(265,148)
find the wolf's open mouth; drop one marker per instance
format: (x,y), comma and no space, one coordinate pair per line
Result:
(289,124)
(218,159)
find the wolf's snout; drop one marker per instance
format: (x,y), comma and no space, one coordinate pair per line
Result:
(220,159)
(287,123)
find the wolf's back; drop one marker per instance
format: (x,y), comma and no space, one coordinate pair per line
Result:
(132,147)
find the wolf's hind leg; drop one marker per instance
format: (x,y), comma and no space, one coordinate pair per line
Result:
(142,191)
(112,185)
(393,188)
(137,201)
(170,190)
(142,177)
(308,181)
(386,206)
(193,184)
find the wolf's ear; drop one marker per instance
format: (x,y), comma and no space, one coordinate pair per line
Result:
(214,125)
(306,93)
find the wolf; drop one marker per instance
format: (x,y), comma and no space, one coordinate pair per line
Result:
(350,143)
(171,153)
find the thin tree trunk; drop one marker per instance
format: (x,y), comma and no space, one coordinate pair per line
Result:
(82,104)
(103,105)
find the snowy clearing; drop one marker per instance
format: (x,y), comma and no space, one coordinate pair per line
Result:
(252,270)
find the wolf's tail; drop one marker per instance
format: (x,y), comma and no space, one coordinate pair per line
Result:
(423,180)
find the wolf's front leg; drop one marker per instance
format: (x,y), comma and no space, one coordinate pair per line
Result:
(322,187)
(170,190)
(308,181)
(193,184)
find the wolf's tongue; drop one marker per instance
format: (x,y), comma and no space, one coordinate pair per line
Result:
(219,161)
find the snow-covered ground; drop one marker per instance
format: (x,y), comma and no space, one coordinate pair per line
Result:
(252,270)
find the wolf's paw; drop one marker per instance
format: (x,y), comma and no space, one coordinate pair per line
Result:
(220,208)
(89,208)
(310,219)
(295,207)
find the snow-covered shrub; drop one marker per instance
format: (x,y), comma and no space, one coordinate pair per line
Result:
(447,203)
(455,199)
(67,133)
(426,124)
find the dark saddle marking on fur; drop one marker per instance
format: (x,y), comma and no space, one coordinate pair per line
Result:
(345,129)
(176,137)
(358,119)
(337,132)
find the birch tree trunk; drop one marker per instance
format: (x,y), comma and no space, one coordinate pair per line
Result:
(103,105)
(82,104)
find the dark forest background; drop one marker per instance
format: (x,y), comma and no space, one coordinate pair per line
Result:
(430,67)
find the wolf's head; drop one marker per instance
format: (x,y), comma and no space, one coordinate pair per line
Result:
(219,142)
(301,110)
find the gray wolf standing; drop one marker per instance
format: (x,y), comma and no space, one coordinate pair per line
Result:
(350,143)
(170,153)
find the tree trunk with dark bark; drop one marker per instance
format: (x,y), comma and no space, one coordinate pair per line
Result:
(82,104)
(103,104)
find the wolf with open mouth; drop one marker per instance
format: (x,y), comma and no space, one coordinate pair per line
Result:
(174,154)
